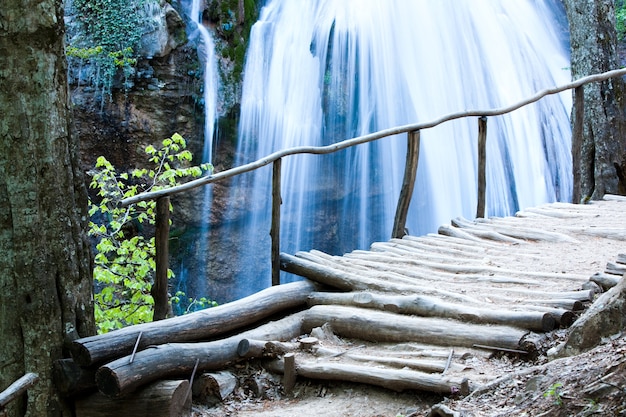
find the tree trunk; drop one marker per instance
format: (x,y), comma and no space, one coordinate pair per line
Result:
(600,154)
(45,268)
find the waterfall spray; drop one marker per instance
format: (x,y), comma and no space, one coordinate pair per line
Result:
(321,71)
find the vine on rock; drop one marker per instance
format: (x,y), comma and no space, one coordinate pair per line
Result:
(113,31)
(124,258)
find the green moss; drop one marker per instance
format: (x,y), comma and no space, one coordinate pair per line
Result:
(233,30)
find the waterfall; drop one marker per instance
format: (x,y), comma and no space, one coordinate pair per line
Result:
(206,53)
(322,71)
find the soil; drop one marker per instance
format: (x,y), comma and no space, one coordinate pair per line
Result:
(590,384)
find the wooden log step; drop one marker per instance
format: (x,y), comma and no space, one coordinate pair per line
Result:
(615,268)
(200,325)
(448,230)
(378,326)
(614,197)
(434,307)
(621,258)
(213,387)
(547,212)
(160,399)
(487,270)
(406,249)
(472,249)
(606,281)
(423,365)
(117,378)
(451,252)
(71,379)
(415,268)
(352,282)
(486,234)
(393,379)
(524,232)
(564,317)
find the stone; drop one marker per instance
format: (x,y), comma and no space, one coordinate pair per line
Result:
(605,317)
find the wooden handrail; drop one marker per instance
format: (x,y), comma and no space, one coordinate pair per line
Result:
(364,139)
(410,169)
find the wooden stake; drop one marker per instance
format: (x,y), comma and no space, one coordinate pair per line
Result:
(482,164)
(275,230)
(289,377)
(408,184)
(162,232)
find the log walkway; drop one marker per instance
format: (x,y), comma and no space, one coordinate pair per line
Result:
(426,313)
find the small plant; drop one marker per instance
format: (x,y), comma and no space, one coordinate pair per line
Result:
(124,258)
(555,392)
(185,305)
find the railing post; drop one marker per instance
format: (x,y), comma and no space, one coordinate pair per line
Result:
(408,183)
(578,113)
(482,164)
(275,230)
(161,246)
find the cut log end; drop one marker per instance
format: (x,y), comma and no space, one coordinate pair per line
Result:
(107,382)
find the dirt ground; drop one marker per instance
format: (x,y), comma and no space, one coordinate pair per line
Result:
(591,384)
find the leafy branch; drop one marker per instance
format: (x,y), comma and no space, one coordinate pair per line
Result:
(124,257)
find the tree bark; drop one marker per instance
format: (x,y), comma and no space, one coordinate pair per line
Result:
(45,267)
(600,153)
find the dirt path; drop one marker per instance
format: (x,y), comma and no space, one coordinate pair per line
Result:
(527,387)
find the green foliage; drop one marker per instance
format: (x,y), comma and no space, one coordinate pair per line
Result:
(114,31)
(555,392)
(124,258)
(184,305)
(620,19)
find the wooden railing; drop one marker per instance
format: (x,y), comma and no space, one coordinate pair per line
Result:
(159,290)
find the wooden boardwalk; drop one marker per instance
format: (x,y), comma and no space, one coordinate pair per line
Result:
(534,272)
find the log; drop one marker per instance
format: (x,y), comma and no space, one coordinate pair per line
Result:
(289,373)
(213,387)
(160,399)
(120,377)
(393,379)
(433,307)
(71,379)
(476,236)
(200,325)
(17,388)
(484,233)
(377,260)
(606,281)
(615,268)
(352,281)
(422,365)
(525,233)
(379,326)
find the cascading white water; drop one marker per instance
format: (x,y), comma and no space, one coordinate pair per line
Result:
(206,52)
(206,48)
(321,71)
